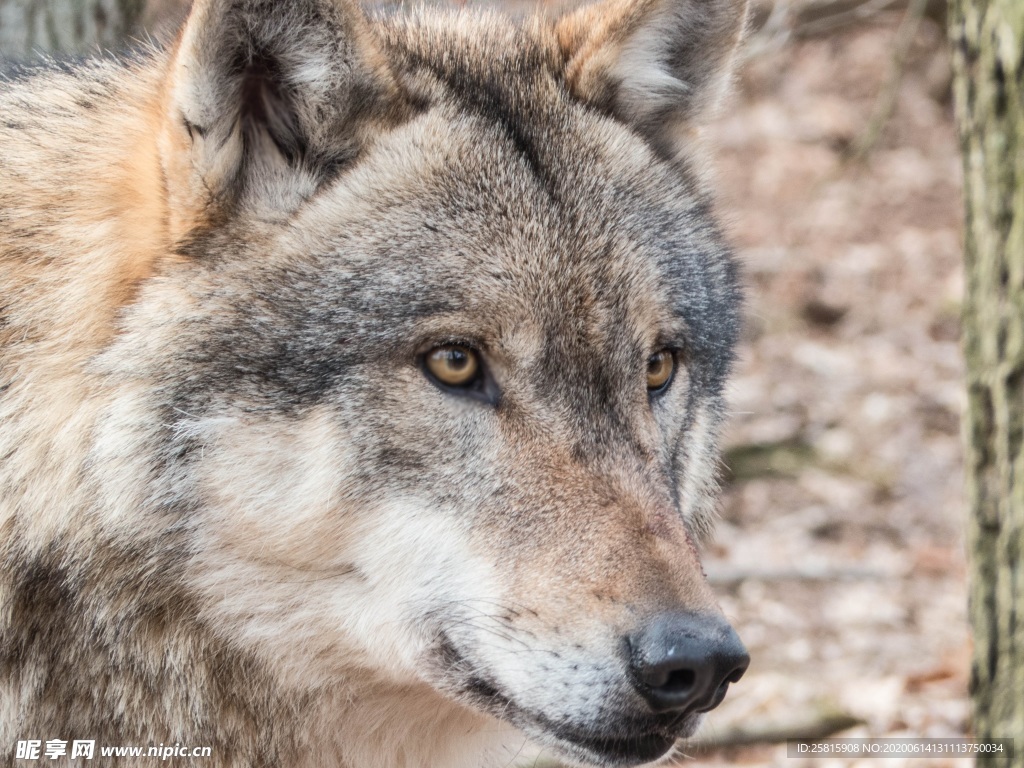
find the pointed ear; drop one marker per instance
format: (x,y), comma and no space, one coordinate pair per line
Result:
(655,64)
(264,99)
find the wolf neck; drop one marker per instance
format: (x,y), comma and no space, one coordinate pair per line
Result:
(406,727)
(82,226)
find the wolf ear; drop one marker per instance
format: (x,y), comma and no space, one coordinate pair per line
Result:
(264,98)
(656,64)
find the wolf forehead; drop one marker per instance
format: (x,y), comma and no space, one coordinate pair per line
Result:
(503,200)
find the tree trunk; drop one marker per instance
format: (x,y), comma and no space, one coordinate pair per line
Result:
(988,48)
(28,27)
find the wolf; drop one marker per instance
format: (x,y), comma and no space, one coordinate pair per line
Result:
(360,377)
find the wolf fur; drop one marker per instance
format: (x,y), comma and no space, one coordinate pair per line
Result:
(234,511)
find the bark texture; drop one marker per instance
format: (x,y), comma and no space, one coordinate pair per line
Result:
(30,27)
(988,47)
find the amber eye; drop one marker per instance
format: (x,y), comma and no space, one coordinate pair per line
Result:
(660,367)
(451,365)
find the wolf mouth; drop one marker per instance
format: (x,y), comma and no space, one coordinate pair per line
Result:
(606,748)
(620,746)
(613,749)
(626,752)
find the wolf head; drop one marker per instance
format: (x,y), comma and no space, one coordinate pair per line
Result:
(434,381)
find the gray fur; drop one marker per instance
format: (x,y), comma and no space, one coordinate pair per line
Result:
(234,510)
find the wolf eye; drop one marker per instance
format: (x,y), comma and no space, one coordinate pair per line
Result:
(452,365)
(660,367)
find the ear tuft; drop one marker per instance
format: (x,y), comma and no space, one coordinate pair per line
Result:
(652,63)
(265,98)
(265,106)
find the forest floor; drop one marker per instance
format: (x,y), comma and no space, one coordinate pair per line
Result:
(840,555)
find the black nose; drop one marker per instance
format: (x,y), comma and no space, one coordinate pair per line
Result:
(685,661)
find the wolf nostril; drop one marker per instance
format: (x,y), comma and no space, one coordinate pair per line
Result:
(663,678)
(685,662)
(680,681)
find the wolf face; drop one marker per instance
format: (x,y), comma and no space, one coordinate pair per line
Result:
(415,404)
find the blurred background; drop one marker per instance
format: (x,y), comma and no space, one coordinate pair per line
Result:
(839,555)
